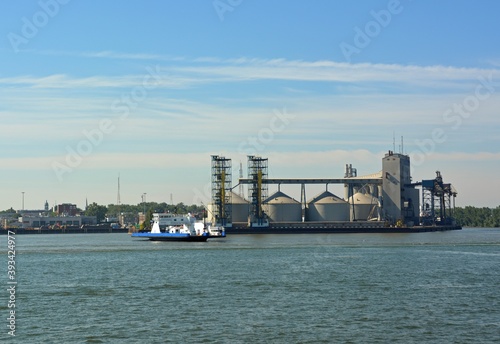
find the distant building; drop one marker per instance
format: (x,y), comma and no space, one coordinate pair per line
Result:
(128,218)
(66,209)
(31,212)
(37,221)
(142,218)
(6,220)
(44,211)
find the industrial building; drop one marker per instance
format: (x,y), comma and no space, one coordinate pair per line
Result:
(37,221)
(387,198)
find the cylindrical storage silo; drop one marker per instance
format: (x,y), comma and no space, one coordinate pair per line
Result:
(210,213)
(240,208)
(346,191)
(355,188)
(327,207)
(282,208)
(363,207)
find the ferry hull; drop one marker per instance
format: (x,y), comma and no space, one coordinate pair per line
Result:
(171,237)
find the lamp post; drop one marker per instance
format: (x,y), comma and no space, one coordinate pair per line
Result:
(144,203)
(23,200)
(143,197)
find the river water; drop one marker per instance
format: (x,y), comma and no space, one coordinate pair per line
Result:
(440,287)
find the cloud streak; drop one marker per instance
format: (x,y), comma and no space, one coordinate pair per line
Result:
(331,71)
(189,72)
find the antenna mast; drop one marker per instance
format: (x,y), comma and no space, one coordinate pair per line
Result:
(241,185)
(118,200)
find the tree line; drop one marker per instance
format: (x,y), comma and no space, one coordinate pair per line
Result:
(113,210)
(470,216)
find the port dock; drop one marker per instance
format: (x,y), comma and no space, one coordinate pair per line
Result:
(329,227)
(387,201)
(69,230)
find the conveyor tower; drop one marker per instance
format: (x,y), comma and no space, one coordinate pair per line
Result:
(221,190)
(257,190)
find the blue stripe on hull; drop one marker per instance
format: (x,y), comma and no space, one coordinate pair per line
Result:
(170,237)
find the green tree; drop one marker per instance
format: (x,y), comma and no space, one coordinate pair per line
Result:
(8,211)
(477,217)
(99,211)
(149,218)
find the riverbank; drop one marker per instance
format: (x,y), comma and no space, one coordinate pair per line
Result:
(84,230)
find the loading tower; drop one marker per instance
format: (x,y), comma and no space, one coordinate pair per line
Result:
(221,190)
(437,204)
(257,189)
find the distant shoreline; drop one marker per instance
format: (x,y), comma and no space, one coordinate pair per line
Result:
(272,230)
(89,230)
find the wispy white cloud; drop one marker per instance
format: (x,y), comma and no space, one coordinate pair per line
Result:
(114,161)
(105,54)
(64,81)
(164,160)
(327,129)
(184,72)
(280,69)
(466,157)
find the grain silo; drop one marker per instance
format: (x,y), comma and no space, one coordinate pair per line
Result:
(363,207)
(240,208)
(282,208)
(210,213)
(327,207)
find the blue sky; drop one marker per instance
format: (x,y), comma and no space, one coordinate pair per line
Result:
(148,90)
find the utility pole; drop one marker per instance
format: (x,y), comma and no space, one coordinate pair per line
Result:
(241,192)
(118,201)
(144,203)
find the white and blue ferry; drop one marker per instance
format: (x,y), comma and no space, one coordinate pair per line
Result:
(180,228)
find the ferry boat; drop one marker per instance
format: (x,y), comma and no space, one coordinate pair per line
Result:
(166,220)
(190,230)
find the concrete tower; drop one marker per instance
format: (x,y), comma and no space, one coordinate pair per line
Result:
(400,199)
